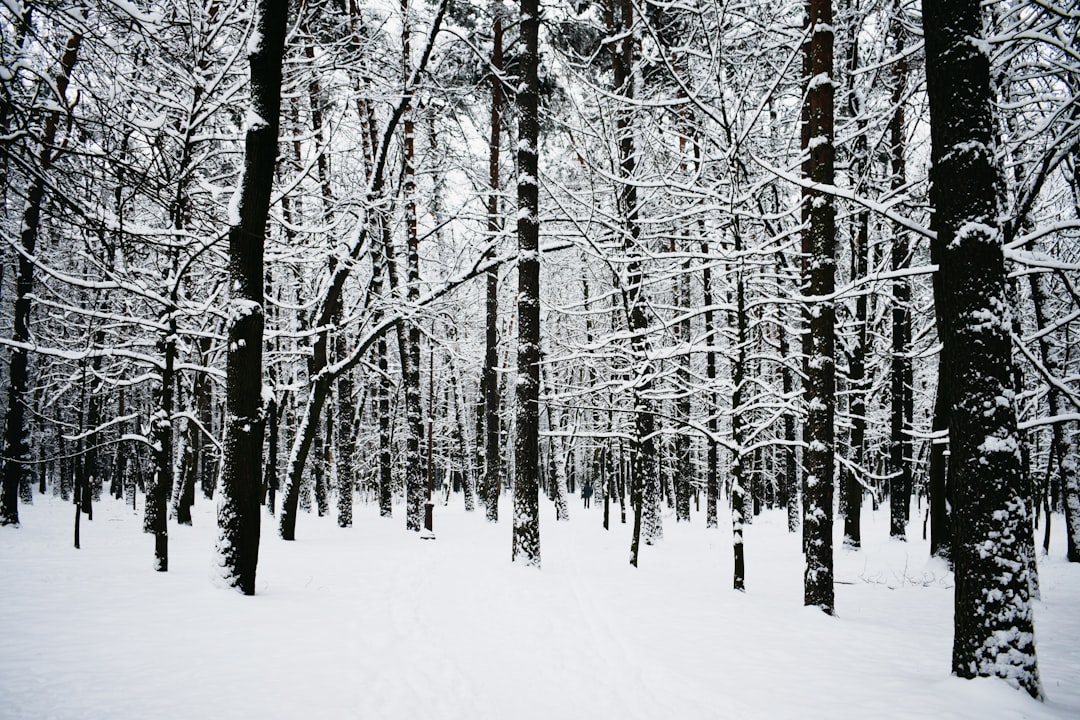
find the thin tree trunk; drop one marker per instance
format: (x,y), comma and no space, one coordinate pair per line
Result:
(900,370)
(492,453)
(787,380)
(712,423)
(940,464)
(415,492)
(857,374)
(738,376)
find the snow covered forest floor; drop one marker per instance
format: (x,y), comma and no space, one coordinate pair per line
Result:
(371,622)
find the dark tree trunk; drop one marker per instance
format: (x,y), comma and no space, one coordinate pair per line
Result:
(860,252)
(492,453)
(17,468)
(526,532)
(789,482)
(900,370)
(738,377)
(185,494)
(241,477)
(992,534)
(683,461)
(208,455)
(712,411)
(940,464)
(819,387)
(853,488)
(383,389)
(161,433)
(320,467)
(92,461)
(344,439)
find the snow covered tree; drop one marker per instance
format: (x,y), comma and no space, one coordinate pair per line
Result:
(992,533)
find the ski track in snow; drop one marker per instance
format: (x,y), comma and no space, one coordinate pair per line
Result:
(373,623)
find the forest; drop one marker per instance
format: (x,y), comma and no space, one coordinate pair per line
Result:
(678,262)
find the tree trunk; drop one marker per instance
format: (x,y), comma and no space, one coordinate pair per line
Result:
(940,465)
(208,455)
(683,461)
(992,535)
(161,433)
(241,477)
(492,451)
(738,375)
(526,532)
(853,489)
(712,410)
(819,387)
(409,335)
(345,437)
(790,482)
(900,370)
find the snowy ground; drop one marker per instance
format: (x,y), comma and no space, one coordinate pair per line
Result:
(373,623)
